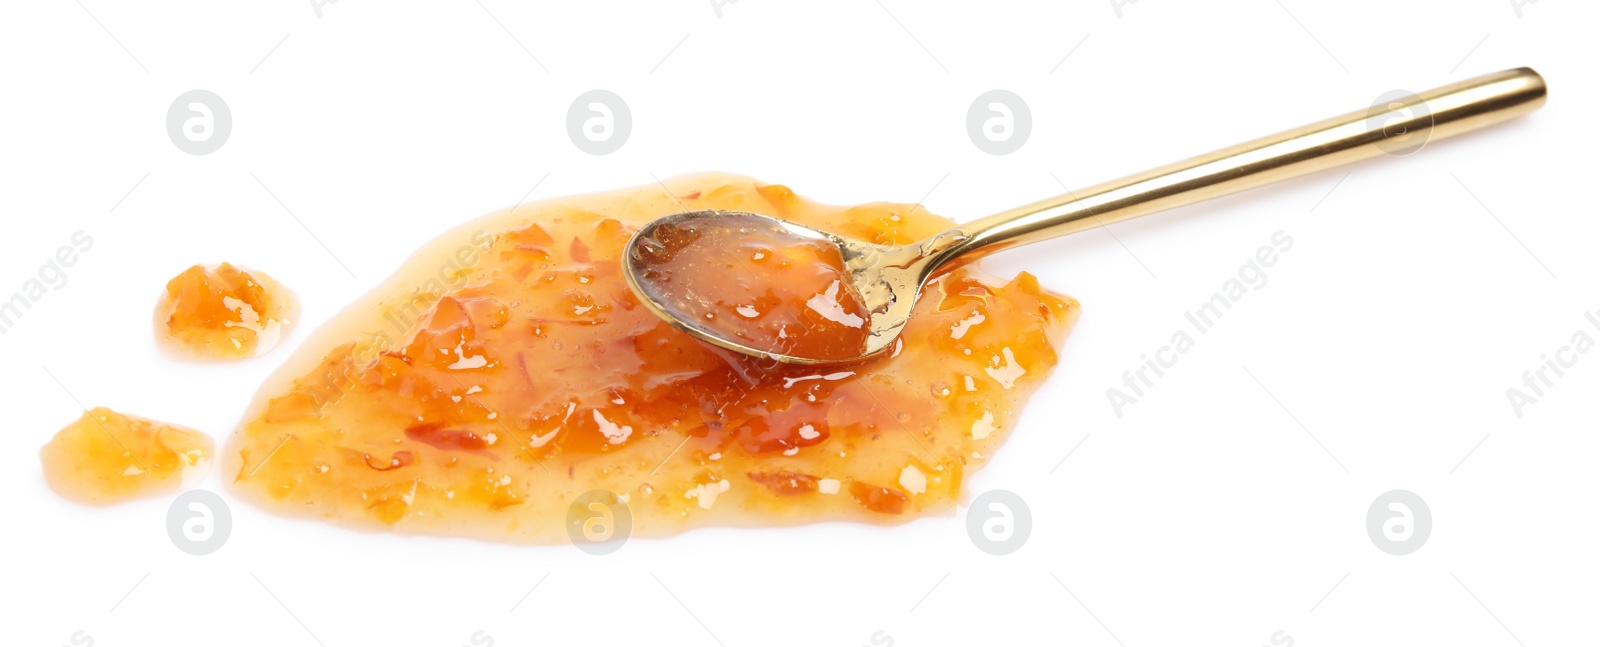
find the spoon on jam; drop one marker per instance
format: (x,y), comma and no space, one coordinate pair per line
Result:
(770,288)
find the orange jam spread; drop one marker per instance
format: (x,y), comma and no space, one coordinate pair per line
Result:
(749,280)
(106,457)
(223,312)
(507,370)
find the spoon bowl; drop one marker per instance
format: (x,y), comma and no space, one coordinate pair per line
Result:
(886,280)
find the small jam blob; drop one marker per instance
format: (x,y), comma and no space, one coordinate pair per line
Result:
(507,370)
(105,457)
(223,312)
(749,280)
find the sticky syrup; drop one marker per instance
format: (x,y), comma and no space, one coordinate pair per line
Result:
(223,312)
(106,457)
(508,370)
(749,280)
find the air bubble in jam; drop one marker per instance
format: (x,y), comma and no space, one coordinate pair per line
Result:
(508,369)
(223,312)
(751,281)
(105,457)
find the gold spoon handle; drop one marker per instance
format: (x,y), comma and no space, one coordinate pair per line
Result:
(1397,127)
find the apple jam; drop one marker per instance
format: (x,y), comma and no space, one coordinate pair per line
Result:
(223,312)
(507,370)
(105,457)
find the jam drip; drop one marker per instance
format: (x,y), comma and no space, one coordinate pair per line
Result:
(223,312)
(105,457)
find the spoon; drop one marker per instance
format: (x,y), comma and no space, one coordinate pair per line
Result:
(885,281)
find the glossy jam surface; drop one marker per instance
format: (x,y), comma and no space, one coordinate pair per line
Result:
(223,312)
(749,280)
(105,457)
(508,370)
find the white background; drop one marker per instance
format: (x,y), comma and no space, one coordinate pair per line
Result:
(1417,292)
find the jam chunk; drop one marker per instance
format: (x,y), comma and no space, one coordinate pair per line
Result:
(105,457)
(507,371)
(223,312)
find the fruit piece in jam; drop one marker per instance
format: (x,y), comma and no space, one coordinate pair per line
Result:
(507,370)
(105,457)
(223,312)
(746,279)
